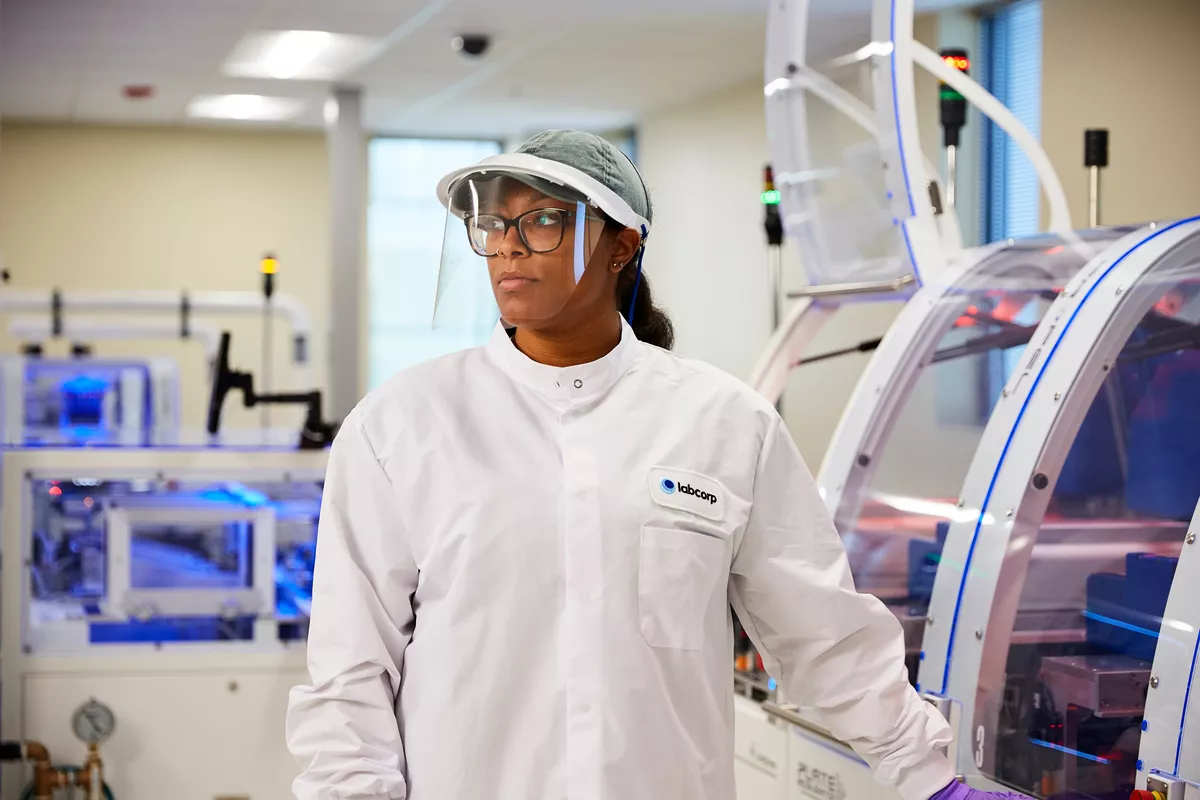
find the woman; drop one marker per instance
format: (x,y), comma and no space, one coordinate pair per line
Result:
(528,551)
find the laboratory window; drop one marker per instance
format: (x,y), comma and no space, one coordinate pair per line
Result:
(405,226)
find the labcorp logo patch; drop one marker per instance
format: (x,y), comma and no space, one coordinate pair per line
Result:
(688,491)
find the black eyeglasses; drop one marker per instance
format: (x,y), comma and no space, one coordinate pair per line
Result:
(541,230)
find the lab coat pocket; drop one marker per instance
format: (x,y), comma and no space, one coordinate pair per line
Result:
(679,570)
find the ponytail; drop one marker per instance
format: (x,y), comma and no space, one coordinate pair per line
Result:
(649,322)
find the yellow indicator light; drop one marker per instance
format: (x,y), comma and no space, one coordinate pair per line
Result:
(269,265)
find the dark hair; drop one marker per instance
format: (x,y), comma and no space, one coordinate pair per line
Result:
(650,323)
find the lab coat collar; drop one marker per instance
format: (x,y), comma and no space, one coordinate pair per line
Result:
(564,383)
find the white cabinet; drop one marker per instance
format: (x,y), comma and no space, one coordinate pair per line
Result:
(759,752)
(822,769)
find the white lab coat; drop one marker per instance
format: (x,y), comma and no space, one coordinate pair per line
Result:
(523,587)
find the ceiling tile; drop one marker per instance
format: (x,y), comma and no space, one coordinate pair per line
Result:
(40,95)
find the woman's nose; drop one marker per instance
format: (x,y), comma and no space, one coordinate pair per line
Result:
(511,245)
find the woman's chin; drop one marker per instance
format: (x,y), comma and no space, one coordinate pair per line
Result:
(521,314)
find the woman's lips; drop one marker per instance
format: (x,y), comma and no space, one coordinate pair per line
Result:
(513,283)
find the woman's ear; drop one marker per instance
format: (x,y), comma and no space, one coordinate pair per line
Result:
(626,247)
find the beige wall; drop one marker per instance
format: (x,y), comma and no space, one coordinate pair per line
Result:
(707,256)
(1130,67)
(170,208)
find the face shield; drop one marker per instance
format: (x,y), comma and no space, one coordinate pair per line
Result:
(514,245)
(520,234)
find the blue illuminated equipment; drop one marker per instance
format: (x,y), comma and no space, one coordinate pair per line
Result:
(83,401)
(89,401)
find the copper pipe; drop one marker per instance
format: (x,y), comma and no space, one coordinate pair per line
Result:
(45,777)
(91,777)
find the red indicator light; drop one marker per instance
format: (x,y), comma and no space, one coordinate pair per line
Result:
(1170,304)
(967,320)
(960,63)
(55,491)
(1008,308)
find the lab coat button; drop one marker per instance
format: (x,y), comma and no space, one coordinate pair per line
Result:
(578,384)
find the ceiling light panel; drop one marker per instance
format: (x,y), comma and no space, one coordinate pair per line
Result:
(248,107)
(299,55)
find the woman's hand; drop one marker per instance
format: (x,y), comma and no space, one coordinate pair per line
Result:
(960,791)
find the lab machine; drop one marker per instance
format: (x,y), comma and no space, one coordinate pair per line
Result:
(896,462)
(900,453)
(170,585)
(873,224)
(1077,683)
(86,399)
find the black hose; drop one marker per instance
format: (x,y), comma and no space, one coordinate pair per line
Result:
(861,347)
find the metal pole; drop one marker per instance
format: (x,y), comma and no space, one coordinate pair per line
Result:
(1094,197)
(1095,157)
(951,174)
(347,168)
(774,271)
(267,324)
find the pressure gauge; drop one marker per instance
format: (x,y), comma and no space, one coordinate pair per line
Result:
(93,722)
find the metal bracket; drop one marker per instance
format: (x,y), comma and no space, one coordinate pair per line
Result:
(56,313)
(185,316)
(952,712)
(1169,788)
(866,287)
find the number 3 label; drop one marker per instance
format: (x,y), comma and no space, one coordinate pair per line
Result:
(979,735)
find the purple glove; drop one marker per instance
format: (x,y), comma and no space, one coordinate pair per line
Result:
(960,791)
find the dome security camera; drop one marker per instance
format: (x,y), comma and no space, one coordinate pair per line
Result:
(471,44)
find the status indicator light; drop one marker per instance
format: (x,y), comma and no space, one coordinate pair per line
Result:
(953,106)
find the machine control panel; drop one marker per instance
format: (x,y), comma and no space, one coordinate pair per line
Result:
(1160,787)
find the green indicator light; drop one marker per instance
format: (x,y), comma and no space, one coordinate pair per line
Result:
(950,94)
(771,197)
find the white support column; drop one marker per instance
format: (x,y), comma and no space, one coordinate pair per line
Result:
(347,170)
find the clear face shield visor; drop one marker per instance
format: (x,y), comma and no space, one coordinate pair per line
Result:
(514,246)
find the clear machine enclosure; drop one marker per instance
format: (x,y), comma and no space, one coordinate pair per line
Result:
(902,492)
(835,147)
(895,530)
(1080,654)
